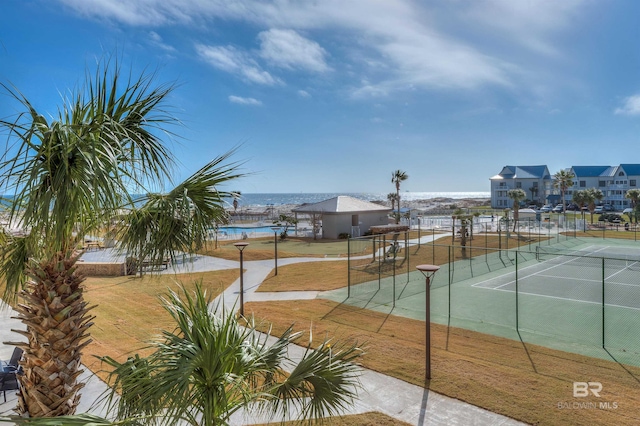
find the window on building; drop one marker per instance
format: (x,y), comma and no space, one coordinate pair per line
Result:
(503,184)
(602,183)
(583,184)
(632,182)
(621,174)
(518,184)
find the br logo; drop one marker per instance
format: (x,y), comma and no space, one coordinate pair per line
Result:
(582,389)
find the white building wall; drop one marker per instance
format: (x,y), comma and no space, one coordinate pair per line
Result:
(336,224)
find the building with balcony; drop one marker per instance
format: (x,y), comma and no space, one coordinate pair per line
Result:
(534,180)
(537,182)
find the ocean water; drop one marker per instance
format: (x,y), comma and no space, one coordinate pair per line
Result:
(277,199)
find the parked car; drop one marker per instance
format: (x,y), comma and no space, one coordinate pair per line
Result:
(608,208)
(599,209)
(546,208)
(573,207)
(557,209)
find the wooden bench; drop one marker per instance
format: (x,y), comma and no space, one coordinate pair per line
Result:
(164,263)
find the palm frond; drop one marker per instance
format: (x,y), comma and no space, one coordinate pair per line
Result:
(323,383)
(75,420)
(176,223)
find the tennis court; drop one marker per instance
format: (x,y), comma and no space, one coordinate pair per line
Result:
(577,275)
(580,297)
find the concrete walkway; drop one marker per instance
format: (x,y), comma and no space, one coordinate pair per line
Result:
(396,398)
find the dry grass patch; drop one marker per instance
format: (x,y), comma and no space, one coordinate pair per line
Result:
(263,248)
(523,381)
(307,276)
(129,313)
(621,235)
(365,419)
(323,276)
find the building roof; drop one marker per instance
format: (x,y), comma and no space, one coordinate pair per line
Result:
(592,171)
(631,169)
(341,204)
(523,172)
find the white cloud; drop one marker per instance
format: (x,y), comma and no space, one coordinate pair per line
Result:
(304,94)
(244,101)
(417,45)
(156,40)
(631,106)
(233,61)
(288,49)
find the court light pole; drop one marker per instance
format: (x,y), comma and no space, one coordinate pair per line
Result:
(241,247)
(428,271)
(275,230)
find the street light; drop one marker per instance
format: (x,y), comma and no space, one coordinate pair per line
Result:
(275,230)
(241,247)
(428,271)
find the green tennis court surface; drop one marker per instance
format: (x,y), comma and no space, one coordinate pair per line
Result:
(583,297)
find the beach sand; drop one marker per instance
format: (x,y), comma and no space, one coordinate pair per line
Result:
(427,205)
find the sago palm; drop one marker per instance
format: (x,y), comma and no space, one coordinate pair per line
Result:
(72,175)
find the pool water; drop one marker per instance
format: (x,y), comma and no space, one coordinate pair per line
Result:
(238,230)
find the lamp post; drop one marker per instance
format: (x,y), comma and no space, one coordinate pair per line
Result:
(428,271)
(275,230)
(241,247)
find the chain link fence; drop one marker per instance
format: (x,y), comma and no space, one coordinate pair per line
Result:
(553,290)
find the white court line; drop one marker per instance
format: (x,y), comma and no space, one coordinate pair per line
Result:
(499,288)
(530,275)
(579,279)
(564,298)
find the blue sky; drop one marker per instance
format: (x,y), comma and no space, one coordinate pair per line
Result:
(334,95)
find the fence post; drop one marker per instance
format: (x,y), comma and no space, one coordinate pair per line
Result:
(394,281)
(517,314)
(603,274)
(349,267)
(450,279)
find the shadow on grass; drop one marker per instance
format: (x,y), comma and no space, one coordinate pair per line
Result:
(636,378)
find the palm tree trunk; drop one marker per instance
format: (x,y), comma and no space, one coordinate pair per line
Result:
(56,319)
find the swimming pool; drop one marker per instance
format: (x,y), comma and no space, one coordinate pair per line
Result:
(238,230)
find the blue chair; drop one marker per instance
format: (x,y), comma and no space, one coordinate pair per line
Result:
(13,364)
(8,382)
(10,370)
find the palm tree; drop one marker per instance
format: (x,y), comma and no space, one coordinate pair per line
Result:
(397,177)
(593,195)
(563,180)
(516,195)
(392,197)
(210,366)
(73,175)
(581,198)
(634,196)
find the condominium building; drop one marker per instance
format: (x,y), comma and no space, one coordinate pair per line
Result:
(537,182)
